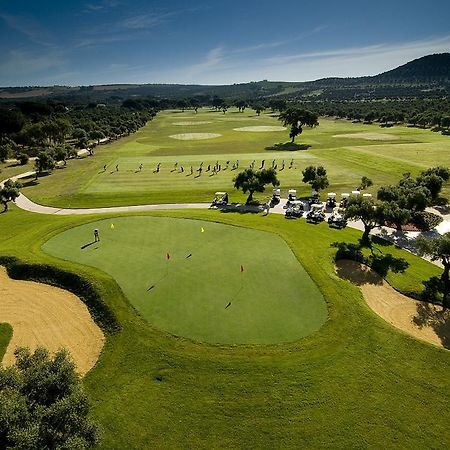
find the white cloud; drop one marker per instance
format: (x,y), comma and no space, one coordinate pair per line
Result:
(28,27)
(220,67)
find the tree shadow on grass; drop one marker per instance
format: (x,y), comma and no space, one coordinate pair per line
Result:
(288,146)
(428,315)
(380,262)
(240,208)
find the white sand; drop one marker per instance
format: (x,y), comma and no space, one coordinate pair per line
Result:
(194,136)
(260,129)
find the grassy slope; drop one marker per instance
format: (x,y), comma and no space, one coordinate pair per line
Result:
(273,300)
(83,183)
(355,383)
(6,333)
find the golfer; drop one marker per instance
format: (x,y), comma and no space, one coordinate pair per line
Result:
(96,235)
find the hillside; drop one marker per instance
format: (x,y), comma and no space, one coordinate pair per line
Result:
(426,77)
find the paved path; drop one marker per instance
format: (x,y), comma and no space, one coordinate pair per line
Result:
(402,239)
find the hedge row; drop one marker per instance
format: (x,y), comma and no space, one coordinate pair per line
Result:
(82,288)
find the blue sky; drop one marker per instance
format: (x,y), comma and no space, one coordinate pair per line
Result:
(212,42)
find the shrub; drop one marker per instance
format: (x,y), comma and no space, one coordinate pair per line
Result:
(425,220)
(23,158)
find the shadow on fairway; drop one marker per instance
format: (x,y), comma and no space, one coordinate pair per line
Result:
(288,146)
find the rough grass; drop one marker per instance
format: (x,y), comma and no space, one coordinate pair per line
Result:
(356,383)
(83,183)
(6,333)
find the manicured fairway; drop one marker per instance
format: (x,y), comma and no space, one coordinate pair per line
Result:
(347,150)
(185,277)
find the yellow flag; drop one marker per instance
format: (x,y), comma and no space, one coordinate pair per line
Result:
(203,230)
(112,226)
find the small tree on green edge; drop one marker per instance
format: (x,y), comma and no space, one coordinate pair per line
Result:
(44,162)
(438,249)
(9,192)
(255,181)
(42,404)
(363,209)
(297,118)
(316,177)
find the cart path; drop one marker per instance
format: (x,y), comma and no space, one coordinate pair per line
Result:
(402,239)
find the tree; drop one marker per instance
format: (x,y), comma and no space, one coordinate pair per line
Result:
(240,105)
(9,192)
(43,405)
(365,183)
(296,119)
(44,162)
(97,135)
(255,181)
(11,121)
(433,179)
(393,213)
(316,177)
(438,249)
(363,209)
(258,108)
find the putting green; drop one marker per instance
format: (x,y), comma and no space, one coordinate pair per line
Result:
(205,296)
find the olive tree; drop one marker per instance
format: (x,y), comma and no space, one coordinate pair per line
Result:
(43,405)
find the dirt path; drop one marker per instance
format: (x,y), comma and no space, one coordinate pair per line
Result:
(419,319)
(51,317)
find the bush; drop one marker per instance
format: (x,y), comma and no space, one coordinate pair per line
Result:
(72,282)
(23,158)
(425,220)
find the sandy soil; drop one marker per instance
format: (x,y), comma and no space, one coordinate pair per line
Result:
(369,136)
(187,123)
(260,129)
(51,317)
(194,136)
(421,320)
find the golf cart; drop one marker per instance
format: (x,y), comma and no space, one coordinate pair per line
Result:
(344,200)
(295,209)
(220,199)
(367,196)
(316,214)
(331,200)
(314,199)
(337,219)
(356,193)
(276,196)
(292,196)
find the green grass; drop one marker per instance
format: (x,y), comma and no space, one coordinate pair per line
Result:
(6,333)
(355,383)
(83,183)
(273,300)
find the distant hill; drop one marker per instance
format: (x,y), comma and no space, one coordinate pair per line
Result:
(432,67)
(426,77)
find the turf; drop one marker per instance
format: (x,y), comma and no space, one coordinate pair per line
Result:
(355,383)
(200,291)
(6,333)
(83,183)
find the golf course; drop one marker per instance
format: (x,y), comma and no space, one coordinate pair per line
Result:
(233,329)
(348,151)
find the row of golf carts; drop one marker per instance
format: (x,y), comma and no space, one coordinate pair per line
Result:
(314,210)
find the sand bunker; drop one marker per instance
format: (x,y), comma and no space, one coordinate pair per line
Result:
(419,319)
(194,136)
(260,129)
(369,136)
(43,315)
(190,123)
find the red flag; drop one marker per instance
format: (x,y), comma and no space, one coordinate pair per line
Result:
(242,268)
(167,256)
